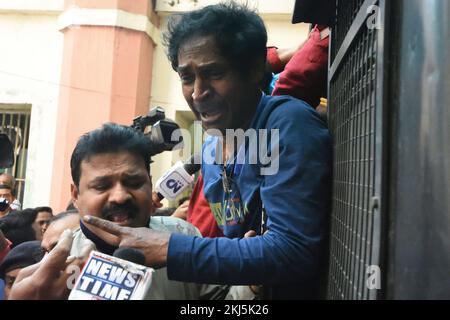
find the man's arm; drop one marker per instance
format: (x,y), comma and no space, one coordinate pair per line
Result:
(48,279)
(297,200)
(279,57)
(305,75)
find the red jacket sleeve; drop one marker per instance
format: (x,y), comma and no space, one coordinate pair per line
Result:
(305,75)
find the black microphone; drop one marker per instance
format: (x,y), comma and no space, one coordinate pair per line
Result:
(178,178)
(130,254)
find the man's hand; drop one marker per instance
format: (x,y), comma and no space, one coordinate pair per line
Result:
(153,244)
(48,279)
(155,199)
(181,211)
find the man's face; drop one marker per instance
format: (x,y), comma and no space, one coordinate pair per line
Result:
(6,179)
(41,223)
(6,193)
(54,230)
(115,187)
(10,277)
(217,94)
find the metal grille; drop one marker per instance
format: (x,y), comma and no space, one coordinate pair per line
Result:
(352,118)
(346,13)
(16,124)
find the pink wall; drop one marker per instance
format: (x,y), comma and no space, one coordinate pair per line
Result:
(106,76)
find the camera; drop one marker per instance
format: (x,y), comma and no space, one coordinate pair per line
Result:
(161,131)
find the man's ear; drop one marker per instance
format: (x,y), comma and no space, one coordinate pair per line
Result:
(258,71)
(74,194)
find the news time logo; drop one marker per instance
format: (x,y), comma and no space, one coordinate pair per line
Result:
(107,280)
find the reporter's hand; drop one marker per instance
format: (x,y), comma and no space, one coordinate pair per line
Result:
(155,199)
(181,211)
(153,244)
(48,279)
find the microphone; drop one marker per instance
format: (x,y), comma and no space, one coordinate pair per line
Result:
(118,277)
(178,178)
(130,254)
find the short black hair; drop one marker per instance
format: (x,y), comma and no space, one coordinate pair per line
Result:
(110,138)
(63,215)
(17,226)
(46,209)
(239,33)
(21,256)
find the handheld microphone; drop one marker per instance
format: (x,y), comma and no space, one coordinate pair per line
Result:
(118,277)
(130,254)
(178,178)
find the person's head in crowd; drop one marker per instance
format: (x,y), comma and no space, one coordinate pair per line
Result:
(21,256)
(43,217)
(219,53)
(60,222)
(18,226)
(70,206)
(8,179)
(110,170)
(6,198)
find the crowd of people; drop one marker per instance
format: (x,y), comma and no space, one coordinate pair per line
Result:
(245,232)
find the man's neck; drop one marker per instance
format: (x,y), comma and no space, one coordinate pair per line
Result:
(229,149)
(100,244)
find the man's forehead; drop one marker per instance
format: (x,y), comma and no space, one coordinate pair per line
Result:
(43,215)
(5,178)
(5,191)
(107,164)
(203,48)
(70,221)
(106,160)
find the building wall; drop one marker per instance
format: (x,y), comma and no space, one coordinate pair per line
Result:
(30,69)
(31,58)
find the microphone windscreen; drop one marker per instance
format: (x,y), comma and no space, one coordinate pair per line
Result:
(193,164)
(130,254)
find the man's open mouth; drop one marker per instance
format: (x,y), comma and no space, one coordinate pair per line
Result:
(119,217)
(210,115)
